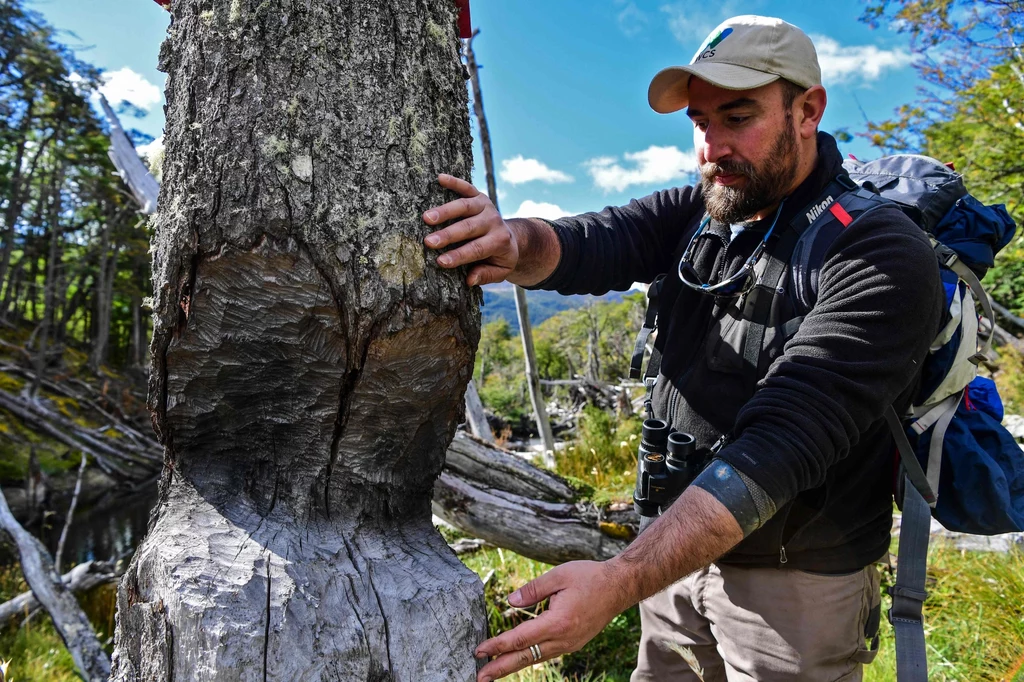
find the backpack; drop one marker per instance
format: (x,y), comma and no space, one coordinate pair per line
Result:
(963,467)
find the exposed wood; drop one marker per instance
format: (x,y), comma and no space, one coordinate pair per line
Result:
(69,620)
(79,580)
(468,546)
(133,171)
(522,309)
(475,415)
(38,417)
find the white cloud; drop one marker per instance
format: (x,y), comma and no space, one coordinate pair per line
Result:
(125,84)
(517,170)
(652,166)
(631,19)
(840,63)
(539,209)
(691,23)
(153,149)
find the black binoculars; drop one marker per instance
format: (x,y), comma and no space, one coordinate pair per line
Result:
(667,461)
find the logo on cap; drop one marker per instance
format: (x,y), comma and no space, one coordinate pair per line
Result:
(708,50)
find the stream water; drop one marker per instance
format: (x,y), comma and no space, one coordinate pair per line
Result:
(109,529)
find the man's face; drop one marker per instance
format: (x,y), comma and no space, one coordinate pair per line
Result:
(746,146)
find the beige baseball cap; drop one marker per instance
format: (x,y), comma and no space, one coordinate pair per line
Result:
(743,53)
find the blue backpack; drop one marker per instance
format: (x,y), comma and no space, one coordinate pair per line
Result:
(963,467)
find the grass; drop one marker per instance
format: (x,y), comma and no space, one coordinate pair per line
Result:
(603,457)
(974,621)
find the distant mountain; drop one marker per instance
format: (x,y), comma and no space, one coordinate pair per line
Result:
(499,301)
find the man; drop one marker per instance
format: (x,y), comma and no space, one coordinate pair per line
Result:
(764,567)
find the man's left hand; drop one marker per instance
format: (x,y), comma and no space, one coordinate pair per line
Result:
(585,597)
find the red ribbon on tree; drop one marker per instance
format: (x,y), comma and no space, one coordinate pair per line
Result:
(465,25)
(166,4)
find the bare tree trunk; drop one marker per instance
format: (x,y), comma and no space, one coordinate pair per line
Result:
(130,167)
(103,295)
(15,203)
(540,411)
(50,284)
(476,416)
(137,353)
(309,357)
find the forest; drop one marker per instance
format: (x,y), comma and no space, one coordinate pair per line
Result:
(121,415)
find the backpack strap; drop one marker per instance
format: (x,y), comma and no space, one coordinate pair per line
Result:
(650,324)
(654,363)
(908,594)
(838,206)
(949,258)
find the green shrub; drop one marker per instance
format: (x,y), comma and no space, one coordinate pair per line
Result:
(603,454)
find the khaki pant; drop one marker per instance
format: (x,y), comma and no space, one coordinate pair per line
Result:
(763,624)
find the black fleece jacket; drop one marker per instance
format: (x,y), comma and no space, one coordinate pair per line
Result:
(812,433)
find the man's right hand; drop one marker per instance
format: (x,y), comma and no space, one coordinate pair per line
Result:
(496,247)
(489,239)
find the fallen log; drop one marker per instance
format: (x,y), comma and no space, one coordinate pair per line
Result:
(494,495)
(50,424)
(79,580)
(477,460)
(68,618)
(551,532)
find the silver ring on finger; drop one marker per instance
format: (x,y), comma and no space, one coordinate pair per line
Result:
(535,651)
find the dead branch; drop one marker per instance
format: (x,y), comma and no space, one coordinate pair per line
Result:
(70,516)
(68,618)
(79,580)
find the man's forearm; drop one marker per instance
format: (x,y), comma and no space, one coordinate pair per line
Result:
(693,532)
(539,250)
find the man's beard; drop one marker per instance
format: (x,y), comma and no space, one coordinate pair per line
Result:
(765,186)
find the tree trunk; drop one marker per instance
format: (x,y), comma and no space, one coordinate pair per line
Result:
(12,213)
(309,357)
(102,300)
(50,284)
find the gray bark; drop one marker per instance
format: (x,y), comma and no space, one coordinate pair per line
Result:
(540,411)
(68,618)
(309,357)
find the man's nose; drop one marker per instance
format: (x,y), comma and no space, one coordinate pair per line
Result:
(715,145)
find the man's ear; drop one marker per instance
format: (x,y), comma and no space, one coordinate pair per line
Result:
(810,109)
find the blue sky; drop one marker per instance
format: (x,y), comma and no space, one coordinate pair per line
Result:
(564,82)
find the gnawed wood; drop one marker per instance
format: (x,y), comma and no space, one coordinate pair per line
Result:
(68,618)
(309,356)
(79,580)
